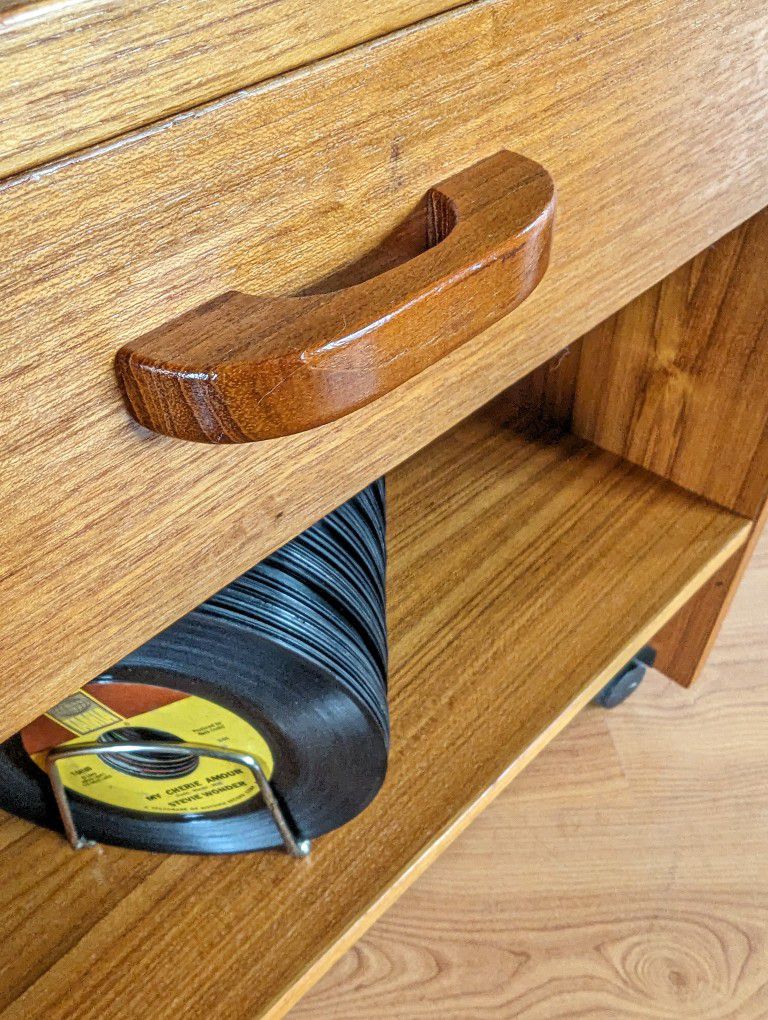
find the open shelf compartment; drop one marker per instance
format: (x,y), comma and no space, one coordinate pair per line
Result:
(526,567)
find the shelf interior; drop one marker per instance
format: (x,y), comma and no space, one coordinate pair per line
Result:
(526,567)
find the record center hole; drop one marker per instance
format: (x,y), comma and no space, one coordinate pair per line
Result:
(147,764)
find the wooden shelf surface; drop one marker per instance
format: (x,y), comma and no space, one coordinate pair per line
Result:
(525,570)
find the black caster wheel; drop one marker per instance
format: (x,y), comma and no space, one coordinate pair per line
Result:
(627,680)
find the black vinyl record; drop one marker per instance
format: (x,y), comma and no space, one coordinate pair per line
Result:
(288,663)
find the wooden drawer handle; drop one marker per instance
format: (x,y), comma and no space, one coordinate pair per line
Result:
(242,368)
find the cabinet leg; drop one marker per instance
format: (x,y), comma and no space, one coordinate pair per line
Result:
(684,644)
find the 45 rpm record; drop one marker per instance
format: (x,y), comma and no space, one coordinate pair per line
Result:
(288,663)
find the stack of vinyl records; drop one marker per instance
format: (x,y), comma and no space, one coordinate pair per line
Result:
(288,664)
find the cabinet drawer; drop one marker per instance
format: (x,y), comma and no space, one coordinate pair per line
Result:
(651,118)
(87,70)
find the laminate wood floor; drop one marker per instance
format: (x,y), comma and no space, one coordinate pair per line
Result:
(623,875)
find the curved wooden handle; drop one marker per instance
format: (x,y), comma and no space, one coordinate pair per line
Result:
(242,368)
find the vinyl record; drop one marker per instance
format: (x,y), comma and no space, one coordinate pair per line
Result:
(287,663)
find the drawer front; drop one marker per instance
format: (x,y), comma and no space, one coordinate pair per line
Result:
(651,118)
(86,70)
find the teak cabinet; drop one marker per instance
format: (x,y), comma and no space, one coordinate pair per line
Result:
(584,474)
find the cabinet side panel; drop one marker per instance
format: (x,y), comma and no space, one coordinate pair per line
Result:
(677,381)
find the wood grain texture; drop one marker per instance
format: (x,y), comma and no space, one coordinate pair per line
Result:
(525,569)
(242,368)
(685,642)
(111,533)
(678,382)
(80,72)
(621,875)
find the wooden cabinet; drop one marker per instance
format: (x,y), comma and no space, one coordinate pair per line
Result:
(651,118)
(277,188)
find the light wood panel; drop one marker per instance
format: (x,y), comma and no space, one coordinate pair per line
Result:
(525,569)
(80,72)
(622,875)
(109,533)
(678,382)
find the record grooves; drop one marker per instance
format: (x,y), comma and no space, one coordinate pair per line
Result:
(290,660)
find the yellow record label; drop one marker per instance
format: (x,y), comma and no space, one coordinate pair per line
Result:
(149,781)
